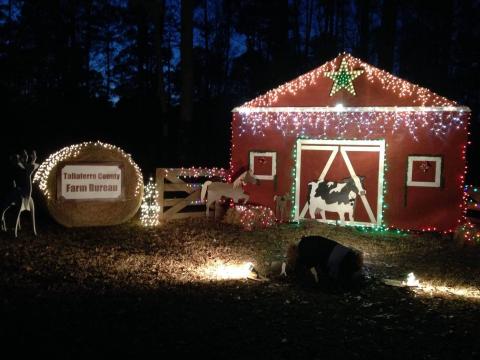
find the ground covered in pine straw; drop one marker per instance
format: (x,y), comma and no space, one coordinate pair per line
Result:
(130,290)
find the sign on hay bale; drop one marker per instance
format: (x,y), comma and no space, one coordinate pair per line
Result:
(90,184)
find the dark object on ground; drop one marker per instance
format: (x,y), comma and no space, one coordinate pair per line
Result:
(328,261)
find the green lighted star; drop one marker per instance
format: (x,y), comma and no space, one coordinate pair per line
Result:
(343,78)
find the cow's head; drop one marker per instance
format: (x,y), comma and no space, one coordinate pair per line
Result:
(352,185)
(350,179)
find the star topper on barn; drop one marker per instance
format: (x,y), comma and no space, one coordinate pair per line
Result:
(343,78)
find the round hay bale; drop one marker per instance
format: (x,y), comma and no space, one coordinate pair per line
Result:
(250,217)
(91,212)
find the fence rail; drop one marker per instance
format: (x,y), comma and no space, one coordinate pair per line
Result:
(170,181)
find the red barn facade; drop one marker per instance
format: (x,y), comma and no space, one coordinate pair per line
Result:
(353,144)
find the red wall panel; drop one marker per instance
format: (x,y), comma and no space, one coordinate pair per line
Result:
(407,207)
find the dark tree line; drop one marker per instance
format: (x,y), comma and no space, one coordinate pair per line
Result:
(160,77)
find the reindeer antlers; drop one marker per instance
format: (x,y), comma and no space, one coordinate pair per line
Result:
(33,156)
(22,160)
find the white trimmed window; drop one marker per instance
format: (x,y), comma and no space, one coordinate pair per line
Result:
(263,164)
(424,171)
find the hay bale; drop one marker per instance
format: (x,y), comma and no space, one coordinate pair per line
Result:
(250,217)
(91,212)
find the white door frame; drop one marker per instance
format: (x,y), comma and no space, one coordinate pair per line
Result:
(343,146)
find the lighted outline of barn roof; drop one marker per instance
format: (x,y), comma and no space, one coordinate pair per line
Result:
(402,91)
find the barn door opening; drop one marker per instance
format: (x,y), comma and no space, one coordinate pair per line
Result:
(340,181)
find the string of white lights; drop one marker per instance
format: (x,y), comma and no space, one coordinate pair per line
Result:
(361,125)
(70,153)
(344,109)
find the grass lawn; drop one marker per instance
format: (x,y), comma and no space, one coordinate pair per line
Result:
(131,290)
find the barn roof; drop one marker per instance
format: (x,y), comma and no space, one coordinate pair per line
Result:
(351,82)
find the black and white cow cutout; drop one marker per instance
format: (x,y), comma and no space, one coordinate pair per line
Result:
(322,160)
(339,197)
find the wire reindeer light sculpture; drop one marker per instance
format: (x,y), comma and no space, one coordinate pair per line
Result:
(20,197)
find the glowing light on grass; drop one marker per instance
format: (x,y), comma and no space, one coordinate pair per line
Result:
(220,270)
(441,290)
(431,288)
(411,280)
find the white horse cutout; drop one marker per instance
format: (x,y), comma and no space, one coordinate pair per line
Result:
(234,191)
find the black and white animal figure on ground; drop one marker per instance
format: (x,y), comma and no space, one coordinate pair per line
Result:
(214,191)
(325,259)
(19,198)
(334,196)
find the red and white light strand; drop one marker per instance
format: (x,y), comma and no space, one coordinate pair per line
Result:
(420,96)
